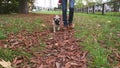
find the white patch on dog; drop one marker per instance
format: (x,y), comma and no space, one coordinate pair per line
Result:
(56,23)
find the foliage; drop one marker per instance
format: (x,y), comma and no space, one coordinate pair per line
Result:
(13,6)
(8,6)
(79,4)
(31,4)
(82,3)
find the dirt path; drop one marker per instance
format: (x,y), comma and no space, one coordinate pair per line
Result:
(62,49)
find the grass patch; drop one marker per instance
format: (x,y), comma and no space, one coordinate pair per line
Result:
(107,13)
(2,36)
(48,12)
(38,48)
(100,33)
(17,23)
(9,55)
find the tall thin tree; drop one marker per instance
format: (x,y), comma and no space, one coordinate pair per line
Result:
(23,6)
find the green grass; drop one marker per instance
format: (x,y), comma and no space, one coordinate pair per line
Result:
(39,47)
(48,12)
(59,12)
(113,13)
(15,23)
(100,33)
(8,54)
(2,35)
(107,13)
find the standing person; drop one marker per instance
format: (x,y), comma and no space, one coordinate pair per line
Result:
(69,22)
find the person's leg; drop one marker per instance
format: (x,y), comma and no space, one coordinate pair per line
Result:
(64,12)
(71,13)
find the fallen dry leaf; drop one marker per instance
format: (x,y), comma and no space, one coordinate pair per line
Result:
(1,43)
(41,66)
(56,44)
(43,25)
(84,54)
(74,64)
(58,65)
(5,64)
(67,65)
(109,21)
(18,60)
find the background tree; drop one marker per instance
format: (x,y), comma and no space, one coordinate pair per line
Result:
(116,5)
(31,4)
(79,4)
(15,6)
(8,6)
(23,6)
(90,2)
(99,1)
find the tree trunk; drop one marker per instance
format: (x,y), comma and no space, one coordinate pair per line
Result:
(103,9)
(23,6)
(116,6)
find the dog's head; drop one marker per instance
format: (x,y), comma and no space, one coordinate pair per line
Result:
(57,20)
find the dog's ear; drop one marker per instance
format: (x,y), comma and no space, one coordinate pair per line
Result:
(53,18)
(59,18)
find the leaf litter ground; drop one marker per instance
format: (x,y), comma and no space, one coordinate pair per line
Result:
(61,50)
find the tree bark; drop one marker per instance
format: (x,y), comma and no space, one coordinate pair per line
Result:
(23,6)
(103,9)
(116,6)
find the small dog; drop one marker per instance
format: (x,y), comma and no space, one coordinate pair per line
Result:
(56,23)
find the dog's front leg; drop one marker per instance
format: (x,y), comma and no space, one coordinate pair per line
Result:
(58,28)
(54,29)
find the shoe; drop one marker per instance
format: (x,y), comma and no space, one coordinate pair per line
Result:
(71,26)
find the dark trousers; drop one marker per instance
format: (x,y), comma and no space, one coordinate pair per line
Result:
(64,11)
